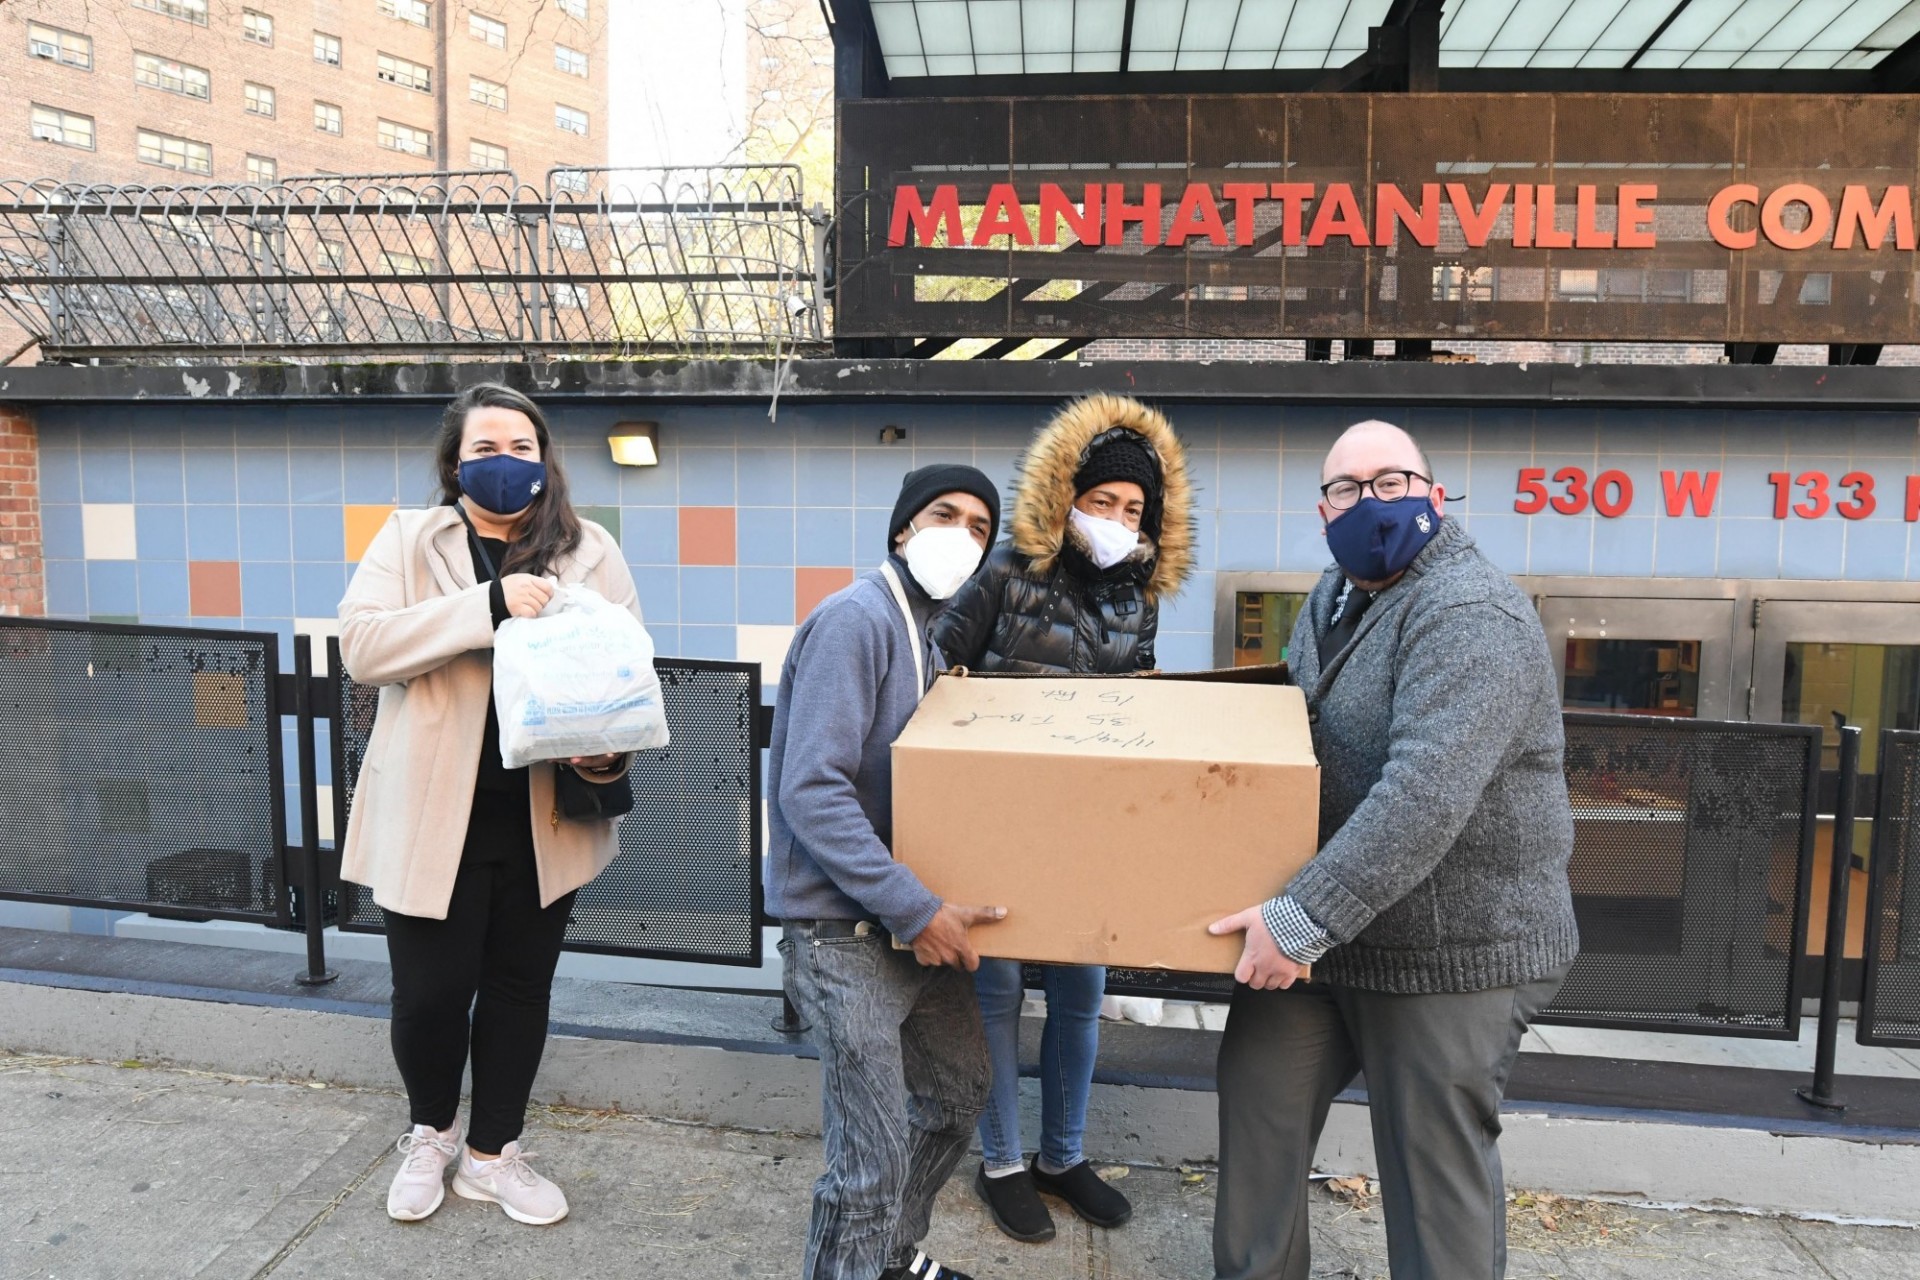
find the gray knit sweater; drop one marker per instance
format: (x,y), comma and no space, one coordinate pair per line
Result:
(1445,827)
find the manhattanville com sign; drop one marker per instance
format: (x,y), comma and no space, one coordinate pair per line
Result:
(1775,218)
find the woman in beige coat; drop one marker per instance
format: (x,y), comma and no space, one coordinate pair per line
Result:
(473,863)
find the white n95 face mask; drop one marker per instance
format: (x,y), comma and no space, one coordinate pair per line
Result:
(941,558)
(1108,541)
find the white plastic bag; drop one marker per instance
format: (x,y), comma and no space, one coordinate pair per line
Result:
(576,681)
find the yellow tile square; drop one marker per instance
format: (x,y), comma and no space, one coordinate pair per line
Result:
(219,700)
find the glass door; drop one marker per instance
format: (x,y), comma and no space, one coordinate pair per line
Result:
(1642,657)
(1263,624)
(1814,660)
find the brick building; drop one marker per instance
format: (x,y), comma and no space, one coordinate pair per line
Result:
(215,91)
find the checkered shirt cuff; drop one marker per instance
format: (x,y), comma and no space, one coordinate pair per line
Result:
(1294,931)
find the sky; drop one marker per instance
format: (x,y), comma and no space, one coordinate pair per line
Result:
(677,95)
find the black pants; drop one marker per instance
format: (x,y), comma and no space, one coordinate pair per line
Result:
(494,954)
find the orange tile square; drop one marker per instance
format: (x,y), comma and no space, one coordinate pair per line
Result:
(706,535)
(213,586)
(811,586)
(362,523)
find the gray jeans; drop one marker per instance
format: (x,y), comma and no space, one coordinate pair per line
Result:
(1436,1069)
(904,1076)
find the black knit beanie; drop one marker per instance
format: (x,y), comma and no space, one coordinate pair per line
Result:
(924,485)
(1120,455)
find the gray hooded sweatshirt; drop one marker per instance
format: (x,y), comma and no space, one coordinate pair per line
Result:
(1445,827)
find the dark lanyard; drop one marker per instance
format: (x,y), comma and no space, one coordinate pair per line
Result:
(473,537)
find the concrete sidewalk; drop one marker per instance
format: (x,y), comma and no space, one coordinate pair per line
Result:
(143,1173)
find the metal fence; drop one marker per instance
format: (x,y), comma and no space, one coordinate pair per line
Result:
(597,261)
(144,772)
(686,883)
(143,769)
(1890,1002)
(1692,866)
(1692,869)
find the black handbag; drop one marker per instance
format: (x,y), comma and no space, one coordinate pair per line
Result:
(576,797)
(579,798)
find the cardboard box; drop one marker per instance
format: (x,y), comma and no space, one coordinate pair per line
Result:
(1115,819)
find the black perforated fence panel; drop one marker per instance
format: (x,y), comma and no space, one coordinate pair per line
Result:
(1692,860)
(143,769)
(1693,852)
(686,884)
(1890,1004)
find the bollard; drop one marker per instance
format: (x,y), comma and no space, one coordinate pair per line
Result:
(317,974)
(1820,1092)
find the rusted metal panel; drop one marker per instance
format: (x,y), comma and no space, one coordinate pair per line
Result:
(1673,217)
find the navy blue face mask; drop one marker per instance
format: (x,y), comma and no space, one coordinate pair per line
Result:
(502,483)
(1375,540)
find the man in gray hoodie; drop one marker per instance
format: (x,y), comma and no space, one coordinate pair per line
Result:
(1437,914)
(903,1056)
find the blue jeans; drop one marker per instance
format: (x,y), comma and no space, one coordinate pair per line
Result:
(1067,1049)
(903,1077)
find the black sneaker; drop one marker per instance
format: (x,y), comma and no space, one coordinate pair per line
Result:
(923,1268)
(1015,1205)
(1086,1193)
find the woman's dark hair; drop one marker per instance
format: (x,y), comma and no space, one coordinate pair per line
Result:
(549,529)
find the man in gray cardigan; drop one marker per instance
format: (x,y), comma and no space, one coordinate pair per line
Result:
(1437,914)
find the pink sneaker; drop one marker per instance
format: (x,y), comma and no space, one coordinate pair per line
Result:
(511,1183)
(421,1182)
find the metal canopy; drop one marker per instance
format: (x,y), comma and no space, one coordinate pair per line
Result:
(958,40)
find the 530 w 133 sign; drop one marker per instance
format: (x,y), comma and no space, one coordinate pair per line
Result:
(1802,495)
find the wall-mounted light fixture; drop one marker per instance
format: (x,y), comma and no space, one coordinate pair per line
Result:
(635,444)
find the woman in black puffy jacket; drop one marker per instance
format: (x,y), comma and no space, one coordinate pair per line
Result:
(1102,528)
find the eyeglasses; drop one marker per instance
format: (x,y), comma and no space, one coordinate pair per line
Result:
(1388,486)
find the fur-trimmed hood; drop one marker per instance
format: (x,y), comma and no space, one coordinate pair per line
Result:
(1043,495)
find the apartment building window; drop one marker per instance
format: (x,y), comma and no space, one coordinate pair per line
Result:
(574,9)
(326,48)
(567,236)
(571,61)
(194,11)
(498,288)
(263,171)
(326,118)
(60,46)
(486,155)
(574,180)
(406,138)
(51,124)
(413,11)
(404,264)
(487,30)
(408,75)
(330,254)
(570,119)
(174,153)
(172,77)
(256,26)
(571,297)
(487,93)
(259,100)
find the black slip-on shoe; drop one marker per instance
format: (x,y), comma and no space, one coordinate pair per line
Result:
(1015,1205)
(923,1268)
(1086,1193)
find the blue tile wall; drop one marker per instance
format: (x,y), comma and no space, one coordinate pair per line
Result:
(813,490)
